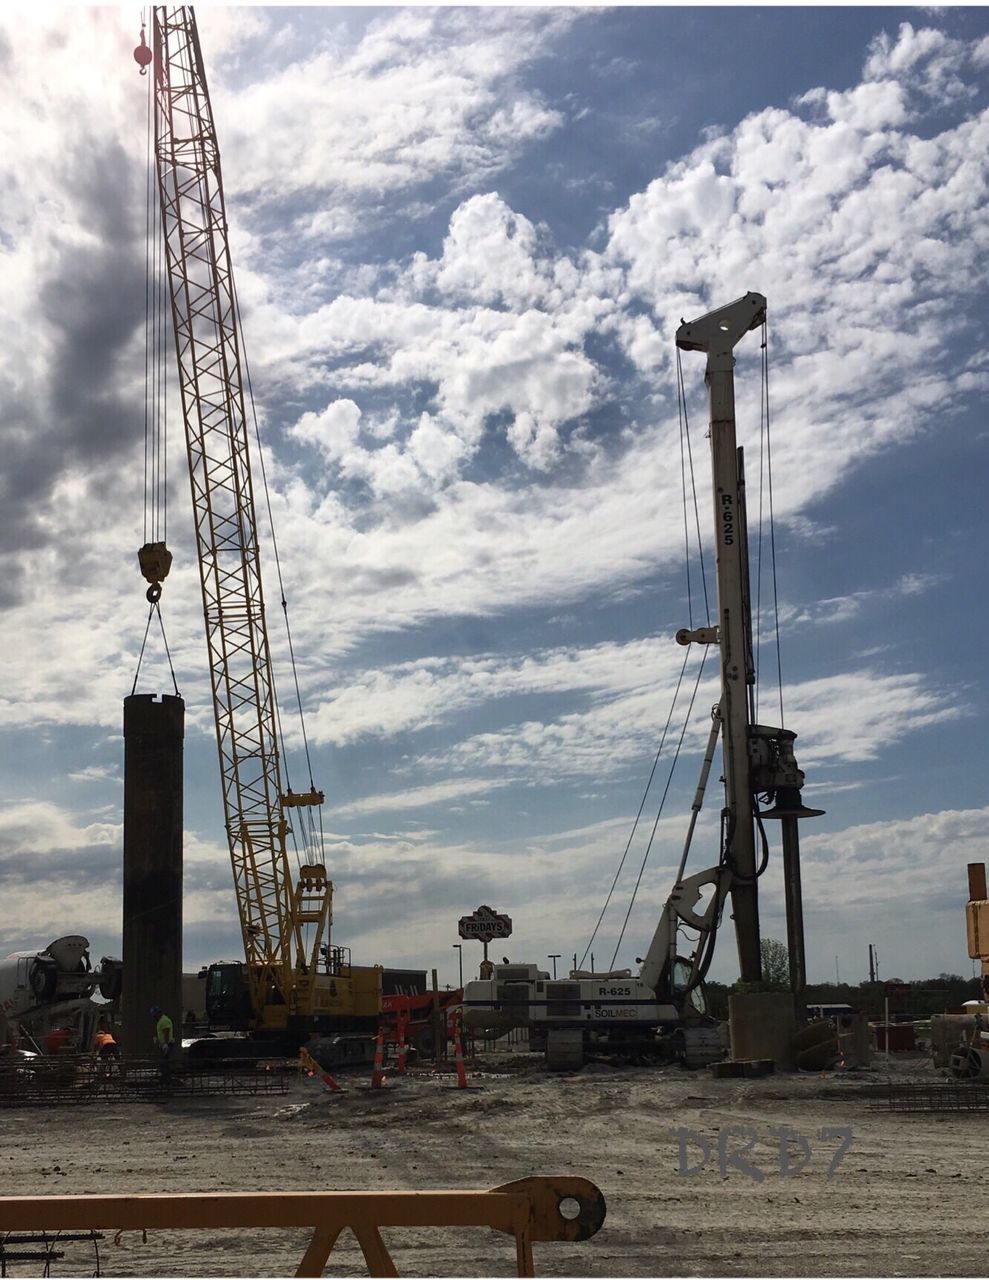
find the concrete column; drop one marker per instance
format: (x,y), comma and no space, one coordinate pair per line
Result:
(154,727)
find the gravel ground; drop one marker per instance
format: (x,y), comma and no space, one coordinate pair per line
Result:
(906,1198)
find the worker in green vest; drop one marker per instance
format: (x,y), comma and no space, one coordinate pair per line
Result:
(164,1041)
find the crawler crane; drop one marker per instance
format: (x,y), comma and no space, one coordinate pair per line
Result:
(293,980)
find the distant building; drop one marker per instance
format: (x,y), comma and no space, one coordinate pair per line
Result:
(829,1010)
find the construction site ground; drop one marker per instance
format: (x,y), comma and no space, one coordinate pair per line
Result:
(907,1198)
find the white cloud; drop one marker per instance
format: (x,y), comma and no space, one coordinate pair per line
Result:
(334,431)
(410,696)
(840,719)
(424,96)
(439,793)
(917,866)
(838,609)
(862,218)
(489,256)
(850,225)
(926,59)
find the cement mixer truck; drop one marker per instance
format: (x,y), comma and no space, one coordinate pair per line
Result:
(54,987)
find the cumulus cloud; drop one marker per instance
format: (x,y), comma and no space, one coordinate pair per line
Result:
(334,431)
(928,60)
(478,421)
(483,362)
(848,222)
(423,96)
(489,256)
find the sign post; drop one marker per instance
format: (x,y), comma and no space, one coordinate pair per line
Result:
(484,925)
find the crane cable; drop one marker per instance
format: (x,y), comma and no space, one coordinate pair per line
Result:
(155,608)
(312,838)
(766,472)
(685,436)
(686,464)
(155,385)
(155,379)
(662,802)
(642,805)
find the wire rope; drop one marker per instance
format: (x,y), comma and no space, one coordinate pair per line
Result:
(772,521)
(642,805)
(152,611)
(281,584)
(757,643)
(682,400)
(684,424)
(662,802)
(683,493)
(155,381)
(147,300)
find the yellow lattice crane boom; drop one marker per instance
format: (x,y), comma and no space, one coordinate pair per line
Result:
(291,969)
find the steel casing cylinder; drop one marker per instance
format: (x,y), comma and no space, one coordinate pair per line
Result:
(154,728)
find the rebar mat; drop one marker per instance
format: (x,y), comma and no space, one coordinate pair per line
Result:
(67,1080)
(938,1097)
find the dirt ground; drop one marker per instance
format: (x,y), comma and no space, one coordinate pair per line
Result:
(906,1198)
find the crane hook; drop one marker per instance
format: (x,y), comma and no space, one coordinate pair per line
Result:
(155,560)
(142,54)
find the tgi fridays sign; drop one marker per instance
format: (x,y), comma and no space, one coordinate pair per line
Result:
(485,925)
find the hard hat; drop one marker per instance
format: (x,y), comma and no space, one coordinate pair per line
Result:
(155,1011)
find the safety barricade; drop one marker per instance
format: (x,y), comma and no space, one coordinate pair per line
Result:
(533,1210)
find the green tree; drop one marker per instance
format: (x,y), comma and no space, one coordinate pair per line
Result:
(775,965)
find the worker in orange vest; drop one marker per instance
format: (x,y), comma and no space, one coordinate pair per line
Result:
(104,1045)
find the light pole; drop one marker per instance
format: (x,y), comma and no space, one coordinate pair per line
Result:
(460,956)
(554,958)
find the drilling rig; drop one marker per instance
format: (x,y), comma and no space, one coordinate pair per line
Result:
(662,1009)
(293,980)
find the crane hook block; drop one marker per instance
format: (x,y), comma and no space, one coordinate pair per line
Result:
(143,55)
(155,560)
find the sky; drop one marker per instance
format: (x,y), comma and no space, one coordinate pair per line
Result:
(463,239)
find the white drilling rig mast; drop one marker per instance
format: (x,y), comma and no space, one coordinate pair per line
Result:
(717,334)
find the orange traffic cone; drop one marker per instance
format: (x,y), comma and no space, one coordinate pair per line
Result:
(403,1048)
(312,1068)
(378,1071)
(458,1049)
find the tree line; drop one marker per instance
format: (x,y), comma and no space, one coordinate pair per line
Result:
(918,998)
